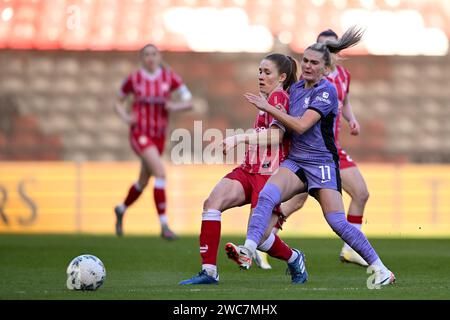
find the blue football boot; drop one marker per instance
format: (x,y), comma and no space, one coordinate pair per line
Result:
(202,278)
(297,269)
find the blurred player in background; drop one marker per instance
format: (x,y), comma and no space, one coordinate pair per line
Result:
(312,164)
(157,90)
(277,73)
(352,180)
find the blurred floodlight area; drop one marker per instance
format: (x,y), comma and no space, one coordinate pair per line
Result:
(393,27)
(62,62)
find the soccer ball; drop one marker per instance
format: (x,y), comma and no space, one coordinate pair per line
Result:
(85,272)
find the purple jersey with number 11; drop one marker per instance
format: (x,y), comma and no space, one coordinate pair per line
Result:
(313,155)
(317,143)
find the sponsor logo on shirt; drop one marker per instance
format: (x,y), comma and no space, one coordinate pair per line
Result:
(323,98)
(266,165)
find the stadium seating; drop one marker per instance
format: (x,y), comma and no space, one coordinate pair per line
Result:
(401,103)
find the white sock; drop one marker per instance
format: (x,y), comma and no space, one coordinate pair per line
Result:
(357,226)
(210,269)
(266,245)
(122,207)
(379,264)
(160,183)
(138,186)
(293,256)
(251,245)
(163,220)
(212,215)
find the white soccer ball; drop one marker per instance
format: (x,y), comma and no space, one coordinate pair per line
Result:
(85,272)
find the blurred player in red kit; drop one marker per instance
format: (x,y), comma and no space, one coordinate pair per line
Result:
(157,90)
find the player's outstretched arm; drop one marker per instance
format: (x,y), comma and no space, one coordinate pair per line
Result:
(268,137)
(299,125)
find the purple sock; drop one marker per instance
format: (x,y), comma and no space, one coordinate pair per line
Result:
(352,236)
(268,198)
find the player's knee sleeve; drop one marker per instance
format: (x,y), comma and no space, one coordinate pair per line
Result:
(270,195)
(338,223)
(268,198)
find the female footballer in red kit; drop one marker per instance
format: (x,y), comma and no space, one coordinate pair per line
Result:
(157,91)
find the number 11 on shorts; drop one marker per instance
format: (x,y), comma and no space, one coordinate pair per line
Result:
(326,173)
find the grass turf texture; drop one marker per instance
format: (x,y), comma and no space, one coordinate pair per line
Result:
(34,267)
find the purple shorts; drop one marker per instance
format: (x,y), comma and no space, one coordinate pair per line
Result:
(314,174)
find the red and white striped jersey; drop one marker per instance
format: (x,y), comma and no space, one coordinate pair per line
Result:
(265,160)
(150,91)
(340,77)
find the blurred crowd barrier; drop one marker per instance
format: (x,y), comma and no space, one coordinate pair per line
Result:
(58,105)
(70,197)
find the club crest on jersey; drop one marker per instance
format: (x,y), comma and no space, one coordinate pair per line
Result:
(143,140)
(306,103)
(265,165)
(325,95)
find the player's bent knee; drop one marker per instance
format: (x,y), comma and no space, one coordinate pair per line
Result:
(212,204)
(298,205)
(267,195)
(362,196)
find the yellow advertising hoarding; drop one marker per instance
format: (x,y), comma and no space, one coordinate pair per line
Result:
(67,197)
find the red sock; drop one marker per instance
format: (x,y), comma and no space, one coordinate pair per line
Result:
(280,249)
(132,196)
(355,219)
(210,236)
(159,195)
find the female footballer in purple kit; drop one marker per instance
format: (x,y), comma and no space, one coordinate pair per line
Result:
(352,180)
(312,164)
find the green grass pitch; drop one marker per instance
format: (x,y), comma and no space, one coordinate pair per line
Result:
(34,267)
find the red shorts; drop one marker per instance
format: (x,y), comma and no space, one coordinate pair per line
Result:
(252,184)
(345,161)
(140,142)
